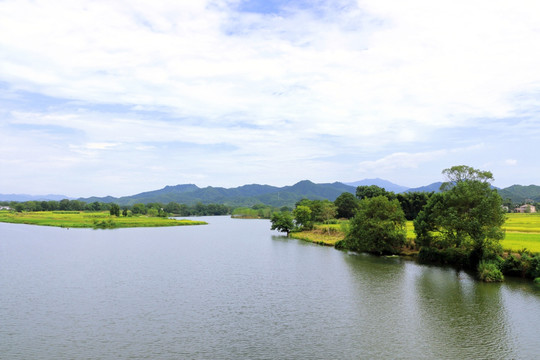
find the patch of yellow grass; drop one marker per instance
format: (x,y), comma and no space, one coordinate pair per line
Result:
(322,234)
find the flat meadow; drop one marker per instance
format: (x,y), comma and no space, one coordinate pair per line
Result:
(97,220)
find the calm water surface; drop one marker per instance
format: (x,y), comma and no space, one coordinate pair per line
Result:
(233,289)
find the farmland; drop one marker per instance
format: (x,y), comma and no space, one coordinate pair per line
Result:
(522,232)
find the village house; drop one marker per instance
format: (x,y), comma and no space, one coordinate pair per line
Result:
(527,208)
(5,208)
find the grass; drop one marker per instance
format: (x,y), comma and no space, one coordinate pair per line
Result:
(322,234)
(96,220)
(522,232)
(525,223)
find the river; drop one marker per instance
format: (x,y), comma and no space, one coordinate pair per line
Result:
(234,289)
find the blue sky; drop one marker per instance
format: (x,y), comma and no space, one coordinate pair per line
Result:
(119,97)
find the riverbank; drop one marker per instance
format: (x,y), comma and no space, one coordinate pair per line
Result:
(522,233)
(520,257)
(95,220)
(327,235)
(330,234)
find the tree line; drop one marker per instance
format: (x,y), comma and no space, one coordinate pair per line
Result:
(152,209)
(459,226)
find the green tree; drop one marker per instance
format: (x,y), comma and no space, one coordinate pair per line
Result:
(173,208)
(302,216)
(377,227)
(371,191)
(115,210)
(346,205)
(413,202)
(138,208)
(468,214)
(464,173)
(64,204)
(282,221)
(321,210)
(328,210)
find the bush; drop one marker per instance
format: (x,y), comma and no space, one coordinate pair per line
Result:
(512,266)
(104,224)
(537,280)
(489,272)
(341,245)
(533,270)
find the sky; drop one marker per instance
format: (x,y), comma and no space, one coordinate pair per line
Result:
(120,97)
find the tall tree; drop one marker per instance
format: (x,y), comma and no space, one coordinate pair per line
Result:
(377,227)
(282,221)
(302,216)
(346,205)
(468,214)
(371,191)
(115,210)
(413,202)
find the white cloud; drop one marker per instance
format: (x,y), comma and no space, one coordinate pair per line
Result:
(386,80)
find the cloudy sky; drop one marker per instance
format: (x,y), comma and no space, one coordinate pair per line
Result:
(119,97)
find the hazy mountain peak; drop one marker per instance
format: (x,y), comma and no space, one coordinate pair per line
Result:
(387,185)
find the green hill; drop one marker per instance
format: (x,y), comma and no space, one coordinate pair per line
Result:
(247,195)
(520,193)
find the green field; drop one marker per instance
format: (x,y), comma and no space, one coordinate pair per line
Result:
(522,232)
(97,220)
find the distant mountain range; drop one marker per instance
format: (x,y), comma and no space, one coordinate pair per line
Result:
(26,197)
(249,195)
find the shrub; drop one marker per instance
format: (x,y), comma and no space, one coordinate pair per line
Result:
(534,267)
(489,272)
(104,224)
(537,280)
(341,245)
(512,266)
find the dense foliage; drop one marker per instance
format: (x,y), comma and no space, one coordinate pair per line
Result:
(302,216)
(371,191)
(346,205)
(321,210)
(413,202)
(467,215)
(158,209)
(282,221)
(377,227)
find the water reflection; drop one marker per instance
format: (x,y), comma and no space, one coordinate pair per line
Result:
(461,317)
(432,312)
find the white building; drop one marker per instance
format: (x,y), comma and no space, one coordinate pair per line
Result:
(527,208)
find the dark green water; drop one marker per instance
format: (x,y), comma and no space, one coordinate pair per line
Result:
(236,290)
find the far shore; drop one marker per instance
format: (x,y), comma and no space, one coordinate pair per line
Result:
(93,220)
